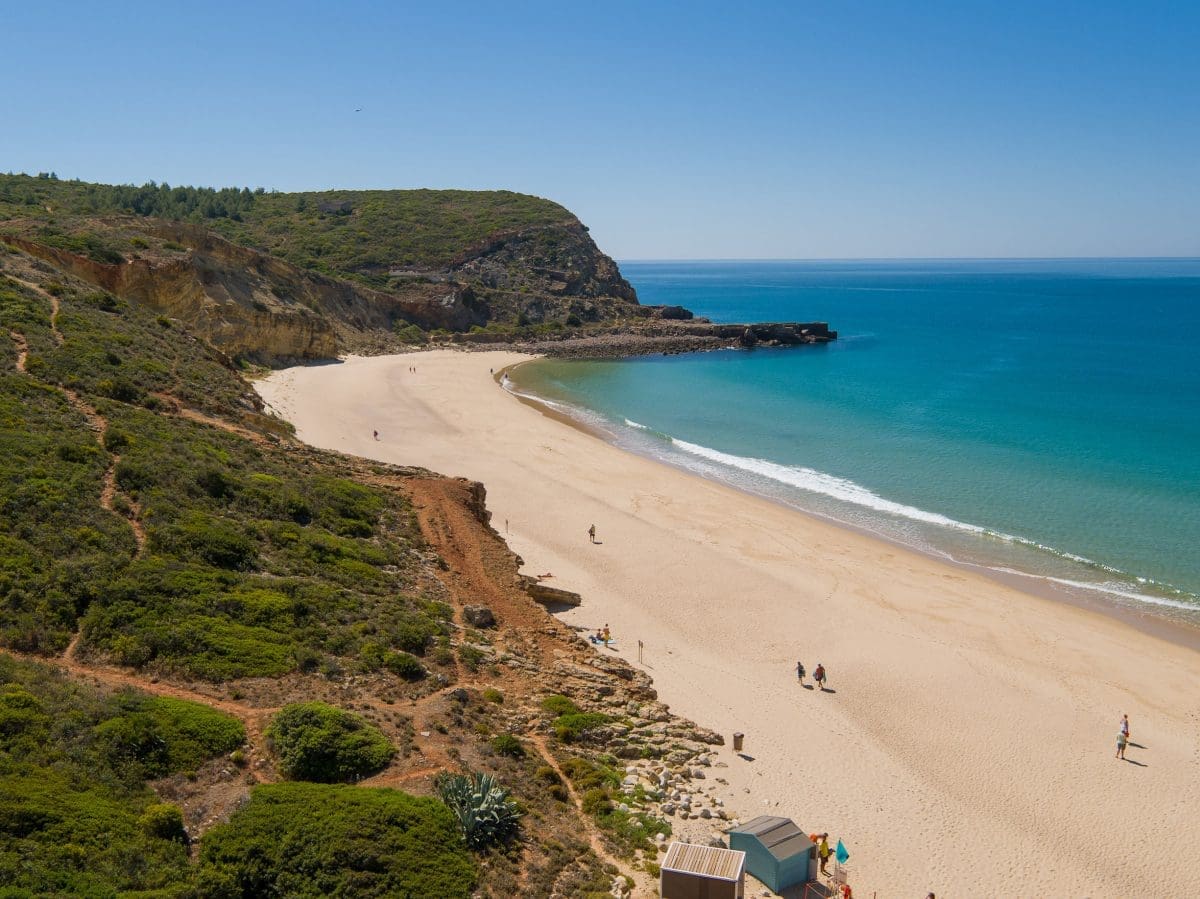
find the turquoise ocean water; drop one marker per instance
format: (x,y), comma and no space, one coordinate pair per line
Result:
(1039,417)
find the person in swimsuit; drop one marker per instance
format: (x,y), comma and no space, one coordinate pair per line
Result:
(800,672)
(819,675)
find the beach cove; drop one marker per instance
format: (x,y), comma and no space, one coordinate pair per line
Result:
(967,744)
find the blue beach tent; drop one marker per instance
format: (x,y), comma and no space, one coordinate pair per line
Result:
(777,852)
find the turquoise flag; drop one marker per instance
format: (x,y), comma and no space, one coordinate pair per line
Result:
(841,854)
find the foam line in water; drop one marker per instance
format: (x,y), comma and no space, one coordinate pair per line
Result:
(849,492)
(829,485)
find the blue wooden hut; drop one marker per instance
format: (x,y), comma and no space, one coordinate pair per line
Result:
(777,851)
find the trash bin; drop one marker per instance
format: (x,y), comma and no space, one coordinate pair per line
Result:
(737,741)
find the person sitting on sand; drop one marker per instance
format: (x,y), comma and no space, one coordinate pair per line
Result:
(800,672)
(606,635)
(819,675)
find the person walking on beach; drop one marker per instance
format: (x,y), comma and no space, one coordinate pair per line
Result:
(819,676)
(592,533)
(375,434)
(1125,726)
(1122,740)
(800,672)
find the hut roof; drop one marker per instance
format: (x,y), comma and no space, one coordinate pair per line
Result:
(780,836)
(707,861)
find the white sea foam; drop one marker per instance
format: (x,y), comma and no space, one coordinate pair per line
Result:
(847,491)
(829,485)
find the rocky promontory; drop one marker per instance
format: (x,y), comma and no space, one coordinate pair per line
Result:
(273,278)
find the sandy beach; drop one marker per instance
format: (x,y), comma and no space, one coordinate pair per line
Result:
(966,744)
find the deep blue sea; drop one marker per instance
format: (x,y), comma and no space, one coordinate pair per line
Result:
(1040,417)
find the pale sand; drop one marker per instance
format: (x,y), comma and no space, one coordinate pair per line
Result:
(969,746)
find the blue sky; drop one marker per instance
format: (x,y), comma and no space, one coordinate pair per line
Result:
(751,130)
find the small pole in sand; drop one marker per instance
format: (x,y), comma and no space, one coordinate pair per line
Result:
(639,652)
(506,525)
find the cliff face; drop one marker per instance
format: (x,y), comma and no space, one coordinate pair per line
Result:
(256,305)
(228,295)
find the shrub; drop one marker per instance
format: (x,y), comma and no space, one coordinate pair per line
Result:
(408,333)
(404,665)
(557,704)
(491,694)
(115,440)
(573,727)
(484,811)
(163,821)
(312,840)
(160,735)
(471,657)
(507,744)
(321,743)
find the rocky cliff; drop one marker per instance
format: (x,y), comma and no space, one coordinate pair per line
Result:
(274,277)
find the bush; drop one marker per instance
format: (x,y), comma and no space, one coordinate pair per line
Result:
(408,333)
(160,735)
(573,727)
(321,743)
(471,657)
(507,744)
(557,704)
(404,665)
(163,821)
(310,840)
(491,694)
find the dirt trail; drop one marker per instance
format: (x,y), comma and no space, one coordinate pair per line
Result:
(97,422)
(22,349)
(252,718)
(594,838)
(480,571)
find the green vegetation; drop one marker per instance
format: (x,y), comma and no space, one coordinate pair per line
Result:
(598,780)
(557,704)
(76,817)
(161,735)
(359,234)
(310,840)
(572,727)
(484,811)
(325,744)
(255,564)
(507,744)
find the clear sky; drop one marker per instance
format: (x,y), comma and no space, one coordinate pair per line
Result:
(690,130)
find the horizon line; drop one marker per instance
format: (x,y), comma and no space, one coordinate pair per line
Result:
(907,259)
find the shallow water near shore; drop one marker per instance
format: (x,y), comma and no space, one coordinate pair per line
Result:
(1039,417)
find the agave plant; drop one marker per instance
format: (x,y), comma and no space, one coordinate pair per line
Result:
(484,811)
